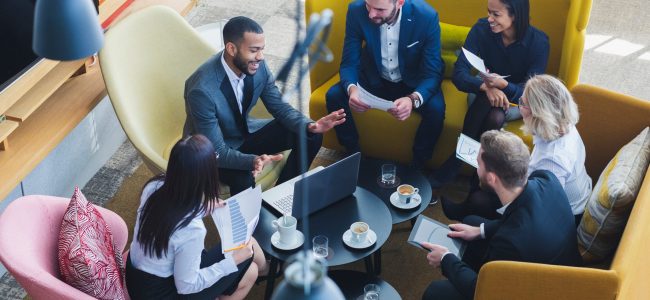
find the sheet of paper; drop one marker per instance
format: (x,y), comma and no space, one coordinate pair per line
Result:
(374,101)
(237,220)
(478,64)
(467,150)
(431,231)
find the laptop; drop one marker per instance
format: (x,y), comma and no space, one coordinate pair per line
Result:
(324,186)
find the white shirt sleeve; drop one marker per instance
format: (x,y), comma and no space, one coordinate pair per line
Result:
(188,276)
(482,230)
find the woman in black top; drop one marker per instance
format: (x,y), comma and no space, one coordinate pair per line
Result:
(510,47)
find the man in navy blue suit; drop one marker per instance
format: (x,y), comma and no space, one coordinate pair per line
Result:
(400,62)
(536,225)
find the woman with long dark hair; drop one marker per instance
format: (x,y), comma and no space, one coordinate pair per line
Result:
(167,259)
(509,46)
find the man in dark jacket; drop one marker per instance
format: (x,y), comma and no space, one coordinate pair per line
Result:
(536,224)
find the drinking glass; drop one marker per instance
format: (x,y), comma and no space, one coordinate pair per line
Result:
(320,246)
(388,173)
(371,292)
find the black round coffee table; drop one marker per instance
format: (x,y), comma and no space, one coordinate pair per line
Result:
(332,222)
(370,170)
(351,284)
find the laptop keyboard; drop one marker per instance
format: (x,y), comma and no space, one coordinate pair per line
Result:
(285,204)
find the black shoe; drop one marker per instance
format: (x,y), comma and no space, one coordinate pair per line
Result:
(453,210)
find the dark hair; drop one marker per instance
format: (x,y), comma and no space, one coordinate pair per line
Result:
(233,31)
(520,9)
(505,155)
(190,189)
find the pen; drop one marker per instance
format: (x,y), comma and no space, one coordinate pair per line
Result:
(235,248)
(513,104)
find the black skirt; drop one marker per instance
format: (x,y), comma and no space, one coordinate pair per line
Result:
(142,285)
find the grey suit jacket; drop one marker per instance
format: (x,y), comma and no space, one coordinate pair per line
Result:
(212,110)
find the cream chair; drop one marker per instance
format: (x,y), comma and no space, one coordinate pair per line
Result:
(145,61)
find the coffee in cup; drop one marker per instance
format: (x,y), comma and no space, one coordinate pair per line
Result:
(405,192)
(359,232)
(286,226)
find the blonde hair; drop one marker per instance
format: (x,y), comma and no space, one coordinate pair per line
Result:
(553,111)
(506,155)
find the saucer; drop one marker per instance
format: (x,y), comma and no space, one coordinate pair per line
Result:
(370,240)
(275,241)
(415,201)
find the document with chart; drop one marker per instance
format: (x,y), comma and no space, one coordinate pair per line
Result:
(374,101)
(467,150)
(433,232)
(237,219)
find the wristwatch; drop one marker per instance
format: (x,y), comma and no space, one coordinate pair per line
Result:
(415,100)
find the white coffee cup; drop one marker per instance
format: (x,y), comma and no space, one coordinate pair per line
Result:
(286,226)
(359,232)
(406,192)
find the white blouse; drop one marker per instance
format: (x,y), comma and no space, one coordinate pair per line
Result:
(565,158)
(183,257)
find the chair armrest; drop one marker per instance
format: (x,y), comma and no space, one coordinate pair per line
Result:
(518,280)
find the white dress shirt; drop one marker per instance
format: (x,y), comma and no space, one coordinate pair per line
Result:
(183,257)
(237,82)
(565,158)
(389,41)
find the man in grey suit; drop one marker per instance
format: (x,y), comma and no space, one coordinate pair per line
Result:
(219,97)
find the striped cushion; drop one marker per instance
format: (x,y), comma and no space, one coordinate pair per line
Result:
(612,200)
(88,259)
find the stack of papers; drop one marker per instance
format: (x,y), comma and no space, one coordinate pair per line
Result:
(374,101)
(478,64)
(236,221)
(467,150)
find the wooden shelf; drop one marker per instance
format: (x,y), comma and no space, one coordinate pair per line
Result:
(33,140)
(29,102)
(11,94)
(6,128)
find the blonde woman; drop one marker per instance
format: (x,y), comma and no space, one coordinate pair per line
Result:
(549,115)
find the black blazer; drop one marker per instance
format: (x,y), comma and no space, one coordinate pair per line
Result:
(537,227)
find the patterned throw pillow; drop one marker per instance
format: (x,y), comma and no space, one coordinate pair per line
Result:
(88,258)
(612,200)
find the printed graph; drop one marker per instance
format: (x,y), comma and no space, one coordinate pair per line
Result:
(238,223)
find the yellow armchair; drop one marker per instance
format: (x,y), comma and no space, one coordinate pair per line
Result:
(145,61)
(564,21)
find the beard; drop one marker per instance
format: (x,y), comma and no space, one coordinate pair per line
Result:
(381,21)
(484,185)
(242,65)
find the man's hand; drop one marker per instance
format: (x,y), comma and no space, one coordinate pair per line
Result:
(327,122)
(435,255)
(355,103)
(260,161)
(402,109)
(464,231)
(496,97)
(240,255)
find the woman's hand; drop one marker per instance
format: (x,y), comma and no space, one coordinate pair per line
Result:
(240,255)
(497,98)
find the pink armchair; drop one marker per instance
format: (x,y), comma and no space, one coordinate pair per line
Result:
(29,230)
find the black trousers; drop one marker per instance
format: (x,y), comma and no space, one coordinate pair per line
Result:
(271,139)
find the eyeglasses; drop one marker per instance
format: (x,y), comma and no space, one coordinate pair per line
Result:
(522,104)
